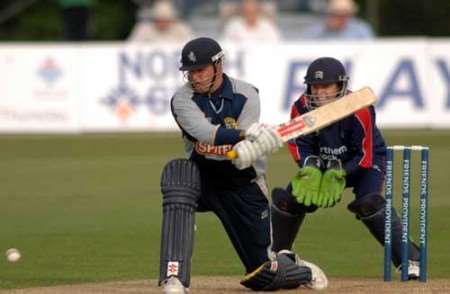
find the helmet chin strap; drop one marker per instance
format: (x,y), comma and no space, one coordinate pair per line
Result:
(213,79)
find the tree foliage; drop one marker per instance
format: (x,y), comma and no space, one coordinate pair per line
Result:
(113,20)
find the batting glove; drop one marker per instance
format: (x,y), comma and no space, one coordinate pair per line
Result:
(247,154)
(266,137)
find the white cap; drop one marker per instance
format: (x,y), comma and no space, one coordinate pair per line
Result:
(163,10)
(342,7)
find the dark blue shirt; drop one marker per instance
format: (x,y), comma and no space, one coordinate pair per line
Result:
(355,140)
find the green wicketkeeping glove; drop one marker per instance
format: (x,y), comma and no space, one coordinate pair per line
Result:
(331,187)
(306,185)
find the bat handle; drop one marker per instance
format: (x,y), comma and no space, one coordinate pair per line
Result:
(232,154)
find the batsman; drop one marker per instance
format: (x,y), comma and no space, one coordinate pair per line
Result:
(348,153)
(217,113)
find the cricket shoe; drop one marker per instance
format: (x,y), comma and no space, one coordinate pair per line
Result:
(319,280)
(413,269)
(173,286)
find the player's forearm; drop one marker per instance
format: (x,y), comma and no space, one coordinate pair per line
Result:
(226,136)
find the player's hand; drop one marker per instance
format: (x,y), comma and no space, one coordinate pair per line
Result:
(247,153)
(306,185)
(266,137)
(254,131)
(332,186)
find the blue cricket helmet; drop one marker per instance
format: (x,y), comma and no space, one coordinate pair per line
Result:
(325,70)
(200,52)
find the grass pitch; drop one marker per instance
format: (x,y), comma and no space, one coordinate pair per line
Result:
(87,208)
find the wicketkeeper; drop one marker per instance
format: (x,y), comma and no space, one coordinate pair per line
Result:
(216,114)
(348,153)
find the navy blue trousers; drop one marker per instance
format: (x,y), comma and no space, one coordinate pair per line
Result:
(244,212)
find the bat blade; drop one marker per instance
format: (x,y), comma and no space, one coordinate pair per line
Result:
(327,114)
(323,116)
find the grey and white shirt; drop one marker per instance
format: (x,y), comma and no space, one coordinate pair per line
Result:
(211,126)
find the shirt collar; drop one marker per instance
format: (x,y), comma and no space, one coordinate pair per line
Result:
(227,89)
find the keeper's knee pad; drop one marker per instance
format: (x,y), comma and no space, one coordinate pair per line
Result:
(286,202)
(367,206)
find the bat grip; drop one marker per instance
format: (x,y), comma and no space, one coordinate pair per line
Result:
(232,154)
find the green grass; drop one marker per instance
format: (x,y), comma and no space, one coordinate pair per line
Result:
(88,208)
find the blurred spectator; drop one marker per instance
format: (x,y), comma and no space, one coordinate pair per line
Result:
(76,18)
(253,24)
(340,23)
(160,24)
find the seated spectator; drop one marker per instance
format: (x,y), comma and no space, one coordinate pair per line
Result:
(251,25)
(340,23)
(160,24)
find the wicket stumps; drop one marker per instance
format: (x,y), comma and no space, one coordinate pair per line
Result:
(405,209)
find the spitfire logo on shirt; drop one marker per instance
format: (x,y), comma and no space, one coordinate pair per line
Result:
(230,123)
(206,149)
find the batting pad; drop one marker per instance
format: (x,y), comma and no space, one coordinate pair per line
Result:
(180,186)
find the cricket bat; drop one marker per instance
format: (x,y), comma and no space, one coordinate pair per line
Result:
(323,116)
